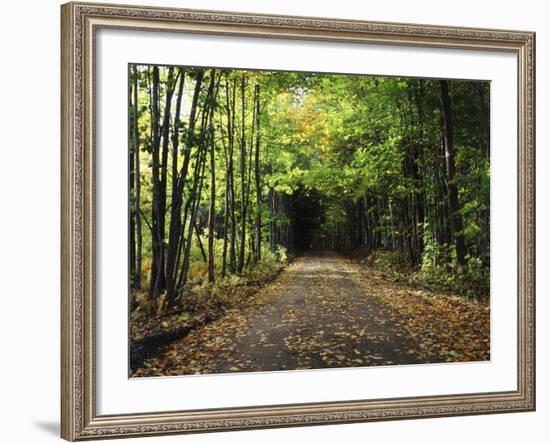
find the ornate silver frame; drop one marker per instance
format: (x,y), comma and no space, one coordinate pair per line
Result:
(79,420)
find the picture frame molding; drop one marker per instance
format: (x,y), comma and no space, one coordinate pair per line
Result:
(79,23)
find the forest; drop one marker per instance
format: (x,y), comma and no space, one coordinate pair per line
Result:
(234,173)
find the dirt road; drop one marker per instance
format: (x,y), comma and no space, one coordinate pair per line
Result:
(316,314)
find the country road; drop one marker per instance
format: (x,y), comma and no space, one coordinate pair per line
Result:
(317,317)
(234,171)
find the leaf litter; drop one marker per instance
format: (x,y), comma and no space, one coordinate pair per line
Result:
(331,312)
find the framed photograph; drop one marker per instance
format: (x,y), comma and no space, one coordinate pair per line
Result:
(281,221)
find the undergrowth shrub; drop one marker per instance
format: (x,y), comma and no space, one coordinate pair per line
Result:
(201,296)
(437,271)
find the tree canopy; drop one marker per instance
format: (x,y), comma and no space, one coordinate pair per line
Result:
(233,168)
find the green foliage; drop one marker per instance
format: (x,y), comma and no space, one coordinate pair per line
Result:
(279,255)
(472,282)
(436,273)
(436,257)
(367,151)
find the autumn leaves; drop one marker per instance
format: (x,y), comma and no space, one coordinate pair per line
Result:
(329,312)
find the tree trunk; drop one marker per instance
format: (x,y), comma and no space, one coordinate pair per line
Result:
(137,187)
(156,265)
(175,204)
(212,209)
(159,165)
(229,216)
(271,198)
(205,139)
(258,220)
(233,244)
(226,212)
(243,179)
(199,243)
(133,209)
(455,217)
(179,179)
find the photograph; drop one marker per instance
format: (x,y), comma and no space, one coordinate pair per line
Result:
(282,221)
(276,219)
